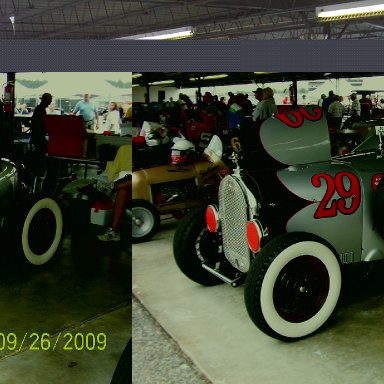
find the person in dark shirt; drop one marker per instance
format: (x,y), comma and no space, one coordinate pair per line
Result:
(38,133)
(37,129)
(328,101)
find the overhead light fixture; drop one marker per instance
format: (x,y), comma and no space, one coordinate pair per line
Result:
(162,82)
(169,34)
(12,19)
(219,76)
(352,10)
(136,75)
(209,77)
(135,85)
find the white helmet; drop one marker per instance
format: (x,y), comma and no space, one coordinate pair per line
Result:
(181,151)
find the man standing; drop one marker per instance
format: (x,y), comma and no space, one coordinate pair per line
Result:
(88,111)
(355,107)
(321,100)
(336,111)
(267,107)
(258,94)
(355,112)
(259,97)
(38,134)
(366,106)
(328,101)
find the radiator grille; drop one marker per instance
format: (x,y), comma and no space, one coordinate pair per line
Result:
(234,219)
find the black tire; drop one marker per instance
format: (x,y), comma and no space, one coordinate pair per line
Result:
(126,226)
(145,220)
(41,230)
(293,286)
(192,244)
(378,208)
(122,374)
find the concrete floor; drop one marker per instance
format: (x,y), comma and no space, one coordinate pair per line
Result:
(84,289)
(156,358)
(212,327)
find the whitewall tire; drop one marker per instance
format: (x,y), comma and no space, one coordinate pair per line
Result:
(42,231)
(294,287)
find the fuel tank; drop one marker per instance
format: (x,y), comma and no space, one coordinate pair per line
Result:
(143,179)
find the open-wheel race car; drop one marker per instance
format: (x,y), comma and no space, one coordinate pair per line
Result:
(289,219)
(173,189)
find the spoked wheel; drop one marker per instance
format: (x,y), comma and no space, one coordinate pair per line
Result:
(194,244)
(42,230)
(293,287)
(145,221)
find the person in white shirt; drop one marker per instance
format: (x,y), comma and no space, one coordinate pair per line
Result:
(336,111)
(355,112)
(112,122)
(266,108)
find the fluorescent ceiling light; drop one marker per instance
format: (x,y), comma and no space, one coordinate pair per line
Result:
(135,85)
(169,34)
(136,75)
(162,82)
(221,76)
(351,10)
(209,77)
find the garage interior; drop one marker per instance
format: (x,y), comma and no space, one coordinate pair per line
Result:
(210,325)
(83,291)
(30,19)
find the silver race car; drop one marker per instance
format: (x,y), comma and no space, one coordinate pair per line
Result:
(288,219)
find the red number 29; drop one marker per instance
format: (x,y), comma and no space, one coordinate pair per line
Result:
(329,206)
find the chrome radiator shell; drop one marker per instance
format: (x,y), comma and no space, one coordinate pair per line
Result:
(234,216)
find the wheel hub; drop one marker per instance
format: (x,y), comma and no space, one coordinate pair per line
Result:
(301,289)
(137,221)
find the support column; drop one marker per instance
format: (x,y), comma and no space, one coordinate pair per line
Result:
(7,122)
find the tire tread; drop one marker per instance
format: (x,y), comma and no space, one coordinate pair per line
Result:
(184,248)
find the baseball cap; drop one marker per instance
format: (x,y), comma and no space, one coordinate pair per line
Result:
(258,90)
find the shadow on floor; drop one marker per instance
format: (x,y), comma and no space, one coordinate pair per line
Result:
(84,279)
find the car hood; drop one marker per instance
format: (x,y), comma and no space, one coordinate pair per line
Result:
(297,137)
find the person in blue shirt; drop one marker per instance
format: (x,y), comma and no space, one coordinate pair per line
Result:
(88,111)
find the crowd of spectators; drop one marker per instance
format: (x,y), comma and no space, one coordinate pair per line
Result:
(96,119)
(211,114)
(365,108)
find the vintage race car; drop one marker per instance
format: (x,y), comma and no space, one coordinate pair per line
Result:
(289,218)
(173,189)
(30,223)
